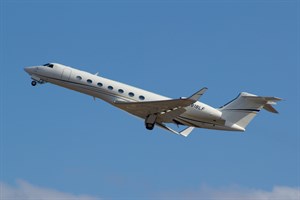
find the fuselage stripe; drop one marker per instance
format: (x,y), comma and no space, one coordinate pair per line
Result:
(91,88)
(250,110)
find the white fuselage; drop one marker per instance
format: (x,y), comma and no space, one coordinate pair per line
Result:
(196,115)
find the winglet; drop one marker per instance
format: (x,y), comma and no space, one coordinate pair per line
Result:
(195,97)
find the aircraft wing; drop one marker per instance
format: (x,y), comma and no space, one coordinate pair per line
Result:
(166,110)
(143,109)
(185,132)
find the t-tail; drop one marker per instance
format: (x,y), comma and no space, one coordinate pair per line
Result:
(240,111)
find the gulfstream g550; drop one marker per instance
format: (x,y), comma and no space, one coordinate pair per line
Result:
(155,109)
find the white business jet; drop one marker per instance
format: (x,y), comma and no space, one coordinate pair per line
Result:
(155,109)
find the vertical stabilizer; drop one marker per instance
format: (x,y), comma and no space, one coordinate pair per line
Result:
(243,109)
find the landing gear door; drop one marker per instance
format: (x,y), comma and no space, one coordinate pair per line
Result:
(66,74)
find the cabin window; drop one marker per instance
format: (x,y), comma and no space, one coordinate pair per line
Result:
(89,81)
(110,87)
(131,94)
(78,77)
(141,97)
(100,84)
(121,91)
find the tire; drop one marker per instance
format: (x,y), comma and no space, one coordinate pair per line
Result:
(33,83)
(149,126)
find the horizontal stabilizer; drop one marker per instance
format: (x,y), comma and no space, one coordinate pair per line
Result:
(267,101)
(270,108)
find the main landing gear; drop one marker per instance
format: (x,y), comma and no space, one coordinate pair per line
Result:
(149,126)
(150,121)
(33,83)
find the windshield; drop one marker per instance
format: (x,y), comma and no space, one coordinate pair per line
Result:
(48,65)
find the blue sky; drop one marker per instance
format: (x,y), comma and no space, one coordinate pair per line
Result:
(57,143)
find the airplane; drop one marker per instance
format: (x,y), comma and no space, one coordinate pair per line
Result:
(156,109)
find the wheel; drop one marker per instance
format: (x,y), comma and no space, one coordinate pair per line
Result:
(149,126)
(33,83)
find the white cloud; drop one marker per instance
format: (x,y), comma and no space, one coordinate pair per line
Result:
(26,191)
(235,193)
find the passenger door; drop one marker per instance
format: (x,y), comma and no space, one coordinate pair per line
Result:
(66,74)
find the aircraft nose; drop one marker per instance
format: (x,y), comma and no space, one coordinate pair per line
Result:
(29,70)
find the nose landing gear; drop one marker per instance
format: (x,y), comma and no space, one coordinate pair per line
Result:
(33,83)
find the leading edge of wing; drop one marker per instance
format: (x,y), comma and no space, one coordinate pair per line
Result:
(163,105)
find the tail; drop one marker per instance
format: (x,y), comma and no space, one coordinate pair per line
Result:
(241,110)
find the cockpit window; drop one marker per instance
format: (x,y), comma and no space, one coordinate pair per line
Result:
(48,65)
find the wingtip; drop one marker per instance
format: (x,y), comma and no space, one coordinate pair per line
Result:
(186,131)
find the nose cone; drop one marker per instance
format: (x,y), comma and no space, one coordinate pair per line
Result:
(29,70)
